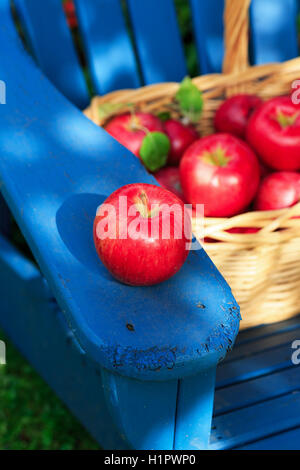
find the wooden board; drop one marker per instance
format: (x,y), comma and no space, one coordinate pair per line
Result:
(257,400)
(107,45)
(49,36)
(157,40)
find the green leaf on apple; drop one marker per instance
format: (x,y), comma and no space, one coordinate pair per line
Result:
(107,110)
(154,150)
(190,100)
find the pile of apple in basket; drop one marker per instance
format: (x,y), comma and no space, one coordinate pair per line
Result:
(251,162)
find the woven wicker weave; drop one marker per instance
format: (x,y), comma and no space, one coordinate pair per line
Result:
(263,269)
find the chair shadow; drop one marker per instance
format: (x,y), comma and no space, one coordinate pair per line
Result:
(74,221)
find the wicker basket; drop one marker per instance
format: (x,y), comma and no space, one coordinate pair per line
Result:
(263,269)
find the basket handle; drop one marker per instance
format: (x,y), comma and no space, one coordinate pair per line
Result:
(236,35)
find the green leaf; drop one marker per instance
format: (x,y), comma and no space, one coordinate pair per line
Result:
(107,110)
(154,150)
(190,100)
(164,116)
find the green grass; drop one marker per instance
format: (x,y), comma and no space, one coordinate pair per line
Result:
(31,416)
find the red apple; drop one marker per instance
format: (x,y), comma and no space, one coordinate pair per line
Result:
(139,250)
(233,114)
(234,230)
(221,172)
(169,178)
(129,129)
(181,137)
(274,132)
(69,9)
(278,191)
(243,230)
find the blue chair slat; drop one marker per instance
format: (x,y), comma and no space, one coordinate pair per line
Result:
(289,440)
(50,39)
(265,362)
(107,45)
(273,30)
(271,342)
(194,411)
(266,418)
(56,169)
(253,334)
(158,41)
(261,388)
(145,411)
(208,28)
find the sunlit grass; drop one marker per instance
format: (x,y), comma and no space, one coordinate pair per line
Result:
(31,416)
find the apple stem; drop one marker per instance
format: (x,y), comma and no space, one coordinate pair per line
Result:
(135,124)
(216,157)
(142,205)
(143,197)
(286,120)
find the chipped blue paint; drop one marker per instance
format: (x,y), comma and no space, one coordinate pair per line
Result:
(172,360)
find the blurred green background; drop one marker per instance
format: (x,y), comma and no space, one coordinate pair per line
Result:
(31,416)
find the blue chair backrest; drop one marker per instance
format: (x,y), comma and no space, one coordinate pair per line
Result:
(150,50)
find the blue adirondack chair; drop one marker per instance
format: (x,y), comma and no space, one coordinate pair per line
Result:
(151,388)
